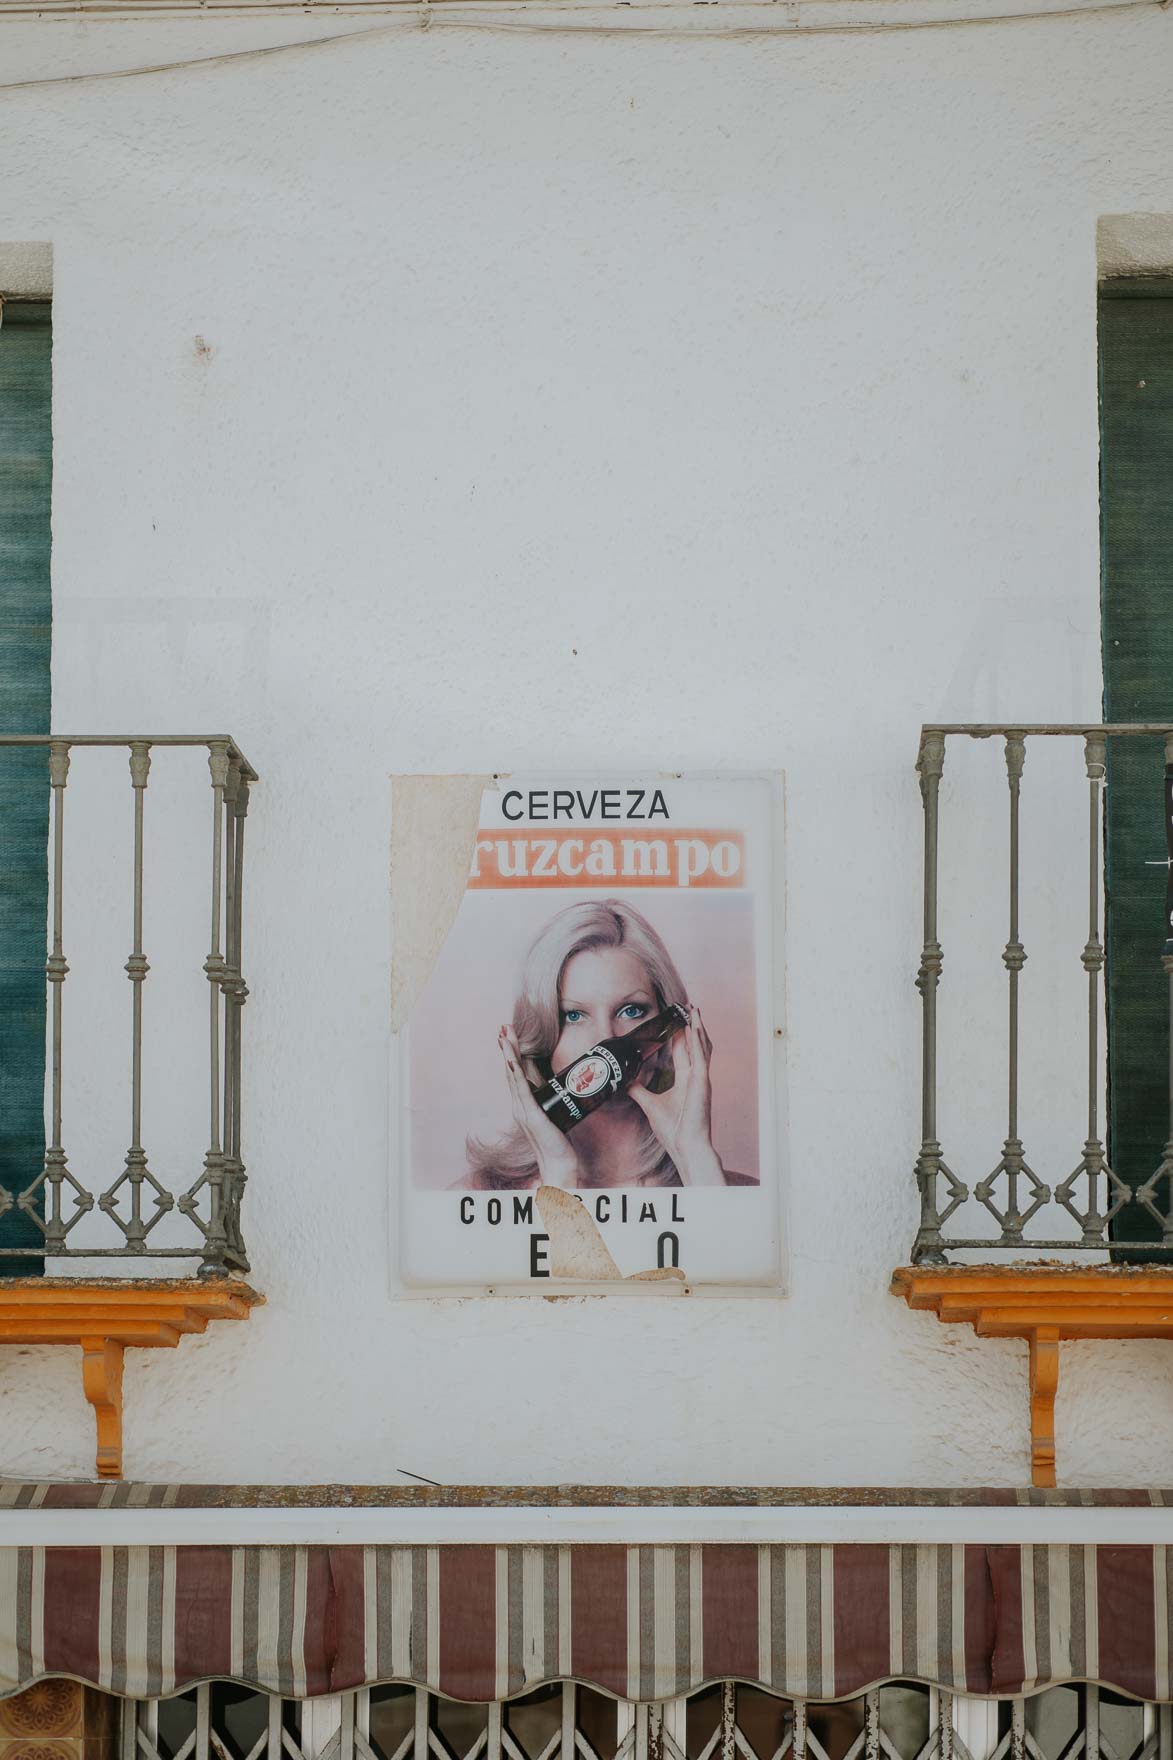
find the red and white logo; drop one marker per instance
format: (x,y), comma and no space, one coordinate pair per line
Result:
(588,1076)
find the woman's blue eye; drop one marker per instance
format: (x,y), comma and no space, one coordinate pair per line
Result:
(633,1011)
(572,1016)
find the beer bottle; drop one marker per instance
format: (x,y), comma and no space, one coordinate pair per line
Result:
(605,1070)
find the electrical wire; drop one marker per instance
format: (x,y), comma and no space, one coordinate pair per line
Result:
(427,16)
(431,15)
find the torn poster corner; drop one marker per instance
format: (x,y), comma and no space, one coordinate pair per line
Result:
(434,822)
(577,1247)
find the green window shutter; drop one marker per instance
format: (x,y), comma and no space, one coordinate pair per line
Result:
(25,482)
(1136,494)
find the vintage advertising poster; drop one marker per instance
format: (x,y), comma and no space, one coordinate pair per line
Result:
(586,1083)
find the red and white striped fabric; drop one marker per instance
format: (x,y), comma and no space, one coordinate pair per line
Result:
(641,1622)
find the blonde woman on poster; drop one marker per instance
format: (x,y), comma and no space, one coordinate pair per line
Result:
(597,971)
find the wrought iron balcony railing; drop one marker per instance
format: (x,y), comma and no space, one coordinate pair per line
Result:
(184,1201)
(1059,1195)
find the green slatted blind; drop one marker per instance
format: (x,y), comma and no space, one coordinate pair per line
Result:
(1136,489)
(25,479)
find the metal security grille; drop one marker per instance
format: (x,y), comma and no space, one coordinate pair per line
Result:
(564,1721)
(1088,1206)
(72,1209)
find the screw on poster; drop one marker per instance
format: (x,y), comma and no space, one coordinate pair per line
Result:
(585,1085)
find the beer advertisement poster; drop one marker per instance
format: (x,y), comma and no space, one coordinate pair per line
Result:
(586,1082)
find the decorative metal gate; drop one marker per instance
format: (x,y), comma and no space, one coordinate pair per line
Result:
(903,1721)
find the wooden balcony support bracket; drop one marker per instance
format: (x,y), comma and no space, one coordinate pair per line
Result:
(1045,1304)
(104,1315)
(1044,1384)
(101,1377)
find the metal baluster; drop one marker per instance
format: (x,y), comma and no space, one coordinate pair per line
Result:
(203,1741)
(569,1709)
(800,1729)
(674,1727)
(1096,758)
(1093,1220)
(227,985)
(422,1723)
(57,970)
(131,1711)
(1013,958)
(136,970)
(728,1720)
(228,988)
(1091,1722)
(236,1174)
(1014,1216)
(1018,1730)
(928,1248)
(944,1708)
(148,1728)
(273,1749)
(215,1237)
(641,1732)
(871,1724)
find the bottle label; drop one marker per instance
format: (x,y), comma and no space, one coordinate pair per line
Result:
(616,1066)
(559,1093)
(589,1075)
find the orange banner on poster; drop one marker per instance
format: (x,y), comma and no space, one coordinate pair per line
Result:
(591,857)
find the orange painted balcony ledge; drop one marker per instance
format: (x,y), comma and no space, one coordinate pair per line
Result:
(103,1315)
(1044,1303)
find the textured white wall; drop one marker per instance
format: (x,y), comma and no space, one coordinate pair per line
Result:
(759,372)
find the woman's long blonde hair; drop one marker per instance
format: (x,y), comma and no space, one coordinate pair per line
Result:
(537,1019)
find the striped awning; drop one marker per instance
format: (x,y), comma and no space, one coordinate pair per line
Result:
(641,1622)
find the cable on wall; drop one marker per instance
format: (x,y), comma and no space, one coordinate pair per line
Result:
(426,16)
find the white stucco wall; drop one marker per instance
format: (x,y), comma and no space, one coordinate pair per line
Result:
(762,373)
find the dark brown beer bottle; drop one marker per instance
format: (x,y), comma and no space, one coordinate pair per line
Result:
(605,1070)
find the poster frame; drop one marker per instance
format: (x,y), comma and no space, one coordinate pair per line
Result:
(773,1287)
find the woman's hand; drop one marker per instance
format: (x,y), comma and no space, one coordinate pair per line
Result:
(555,1156)
(682,1117)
